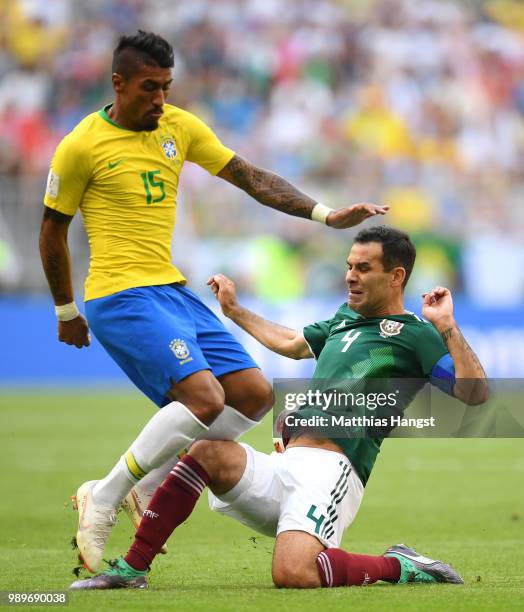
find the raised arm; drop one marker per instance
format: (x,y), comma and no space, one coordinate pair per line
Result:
(471,386)
(276,338)
(272,190)
(54,252)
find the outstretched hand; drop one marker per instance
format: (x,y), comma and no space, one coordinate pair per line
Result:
(225,292)
(353,215)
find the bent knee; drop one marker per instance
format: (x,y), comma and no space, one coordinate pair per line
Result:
(205,399)
(223,460)
(294,568)
(207,408)
(208,399)
(210,450)
(295,577)
(260,398)
(264,394)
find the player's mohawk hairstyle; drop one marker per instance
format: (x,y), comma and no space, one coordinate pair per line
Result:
(141,48)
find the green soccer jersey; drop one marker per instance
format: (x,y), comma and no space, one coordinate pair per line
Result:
(360,350)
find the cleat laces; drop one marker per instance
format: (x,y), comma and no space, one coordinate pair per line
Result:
(103,524)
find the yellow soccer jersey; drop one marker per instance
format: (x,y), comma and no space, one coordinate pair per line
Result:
(125,184)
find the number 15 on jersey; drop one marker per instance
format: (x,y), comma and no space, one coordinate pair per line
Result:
(155,190)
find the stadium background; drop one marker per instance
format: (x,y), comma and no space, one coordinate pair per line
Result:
(416,104)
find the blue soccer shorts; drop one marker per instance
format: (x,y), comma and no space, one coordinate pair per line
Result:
(164,333)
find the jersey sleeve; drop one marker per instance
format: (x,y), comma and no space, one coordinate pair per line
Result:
(430,348)
(68,176)
(316,335)
(205,149)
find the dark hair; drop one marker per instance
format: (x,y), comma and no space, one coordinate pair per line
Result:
(397,248)
(141,48)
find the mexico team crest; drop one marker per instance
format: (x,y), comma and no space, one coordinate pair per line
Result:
(169,148)
(390,328)
(179,348)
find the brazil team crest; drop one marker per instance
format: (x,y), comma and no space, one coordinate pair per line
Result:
(179,348)
(169,148)
(390,328)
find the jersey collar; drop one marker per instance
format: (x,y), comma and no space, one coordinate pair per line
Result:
(103,113)
(406,315)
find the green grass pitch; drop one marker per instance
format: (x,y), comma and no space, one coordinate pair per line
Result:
(458,500)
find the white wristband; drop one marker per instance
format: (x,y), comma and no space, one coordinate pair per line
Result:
(320,213)
(67,312)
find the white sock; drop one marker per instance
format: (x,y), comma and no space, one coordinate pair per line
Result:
(172,429)
(115,486)
(229,425)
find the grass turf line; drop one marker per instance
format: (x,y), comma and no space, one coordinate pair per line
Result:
(458,500)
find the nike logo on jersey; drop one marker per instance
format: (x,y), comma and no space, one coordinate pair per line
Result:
(341,325)
(114,164)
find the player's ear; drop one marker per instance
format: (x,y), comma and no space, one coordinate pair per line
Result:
(118,81)
(398,276)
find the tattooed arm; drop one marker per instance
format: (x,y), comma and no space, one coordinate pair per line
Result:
(275,337)
(471,386)
(56,261)
(272,190)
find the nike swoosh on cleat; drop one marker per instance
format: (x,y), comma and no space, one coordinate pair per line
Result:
(114,164)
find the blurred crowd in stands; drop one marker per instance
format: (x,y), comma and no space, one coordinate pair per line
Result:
(416,104)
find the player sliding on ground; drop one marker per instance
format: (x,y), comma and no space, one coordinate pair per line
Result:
(308,495)
(121,166)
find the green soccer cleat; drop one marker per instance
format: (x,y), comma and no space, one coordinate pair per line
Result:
(119,576)
(416,568)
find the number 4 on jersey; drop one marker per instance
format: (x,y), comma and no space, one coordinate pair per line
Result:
(349,337)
